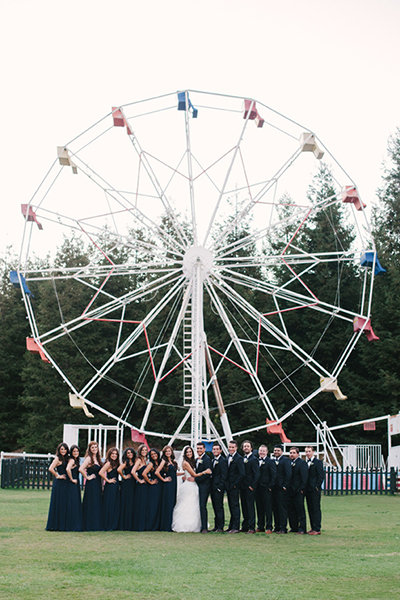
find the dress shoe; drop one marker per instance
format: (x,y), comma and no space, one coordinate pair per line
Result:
(250,531)
(281,531)
(314,533)
(268,531)
(204,531)
(218,530)
(294,531)
(300,532)
(259,530)
(233,531)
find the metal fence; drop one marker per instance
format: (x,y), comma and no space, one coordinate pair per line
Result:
(26,473)
(32,472)
(352,481)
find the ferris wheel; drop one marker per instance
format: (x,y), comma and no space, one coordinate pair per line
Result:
(193,205)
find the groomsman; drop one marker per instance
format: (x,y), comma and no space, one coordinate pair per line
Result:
(218,482)
(279,491)
(297,487)
(203,463)
(266,482)
(248,487)
(233,481)
(313,490)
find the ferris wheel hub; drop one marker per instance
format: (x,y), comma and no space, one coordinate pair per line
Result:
(198,255)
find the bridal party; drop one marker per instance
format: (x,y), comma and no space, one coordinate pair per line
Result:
(149,490)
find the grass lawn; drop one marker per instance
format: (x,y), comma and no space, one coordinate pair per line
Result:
(358,556)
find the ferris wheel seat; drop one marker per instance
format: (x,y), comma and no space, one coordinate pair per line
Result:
(35,347)
(250,110)
(182,104)
(77,402)
(276,428)
(65,160)
(15,280)
(118,117)
(368,259)
(30,214)
(350,195)
(329,384)
(358,325)
(308,143)
(138,437)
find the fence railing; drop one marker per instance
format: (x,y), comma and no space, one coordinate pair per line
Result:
(26,473)
(352,481)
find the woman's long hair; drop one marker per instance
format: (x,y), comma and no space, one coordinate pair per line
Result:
(191,461)
(166,459)
(126,460)
(155,463)
(76,460)
(114,463)
(61,458)
(89,453)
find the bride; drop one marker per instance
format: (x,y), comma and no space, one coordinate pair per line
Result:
(186,516)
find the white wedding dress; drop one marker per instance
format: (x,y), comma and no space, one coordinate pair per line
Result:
(186,515)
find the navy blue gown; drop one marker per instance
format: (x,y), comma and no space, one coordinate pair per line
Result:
(139,502)
(111,502)
(153,503)
(92,509)
(74,503)
(126,501)
(168,498)
(57,518)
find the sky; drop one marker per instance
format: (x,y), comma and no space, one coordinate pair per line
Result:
(330,65)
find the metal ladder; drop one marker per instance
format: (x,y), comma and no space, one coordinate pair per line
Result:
(187,348)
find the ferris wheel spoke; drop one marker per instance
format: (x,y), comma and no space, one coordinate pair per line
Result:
(139,330)
(240,349)
(288,343)
(221,194)
(256,200)
(106,309)
(167,353)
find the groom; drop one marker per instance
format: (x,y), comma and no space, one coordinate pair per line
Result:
(204,468)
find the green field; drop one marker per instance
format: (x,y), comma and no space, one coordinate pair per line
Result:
(358,556)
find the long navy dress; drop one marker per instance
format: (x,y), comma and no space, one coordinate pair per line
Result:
(92,510)
(74,503)
(111,502)
(139,502)
(126,501)
(57,518)
(168,498)
(153,503)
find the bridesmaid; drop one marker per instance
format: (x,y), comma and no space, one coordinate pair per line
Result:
(127,489)
(152,520)
(140,496)
(74,503)
(109,472)
(166,471)
(92,513)
(56,520)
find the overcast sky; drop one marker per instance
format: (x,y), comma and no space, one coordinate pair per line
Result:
(331,65)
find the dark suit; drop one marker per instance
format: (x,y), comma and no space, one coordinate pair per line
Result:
(218,482)
(266,482)
(233,481)
(204,483)
(297,487)
(279,493)
(313,492)
(247,492)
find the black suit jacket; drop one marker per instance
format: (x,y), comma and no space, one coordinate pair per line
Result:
(298,480)
(219,473)
(267,474)
(283,473)
(315,475)
(202,466)
(235,472)
(251,472)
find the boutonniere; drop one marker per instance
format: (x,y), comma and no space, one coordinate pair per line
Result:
(200,461)
(245,460)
